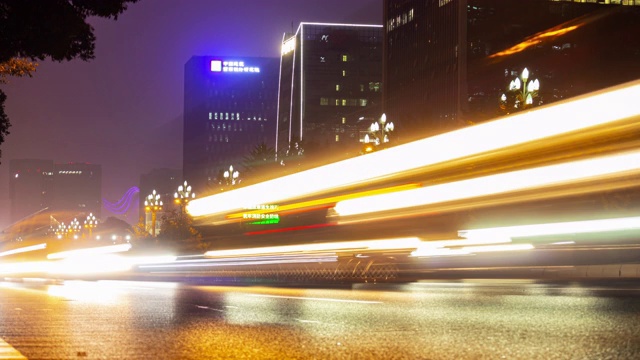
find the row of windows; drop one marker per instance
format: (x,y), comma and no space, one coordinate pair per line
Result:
(400,20)
(232,116)
(233,127)
(343,102)
(373,86)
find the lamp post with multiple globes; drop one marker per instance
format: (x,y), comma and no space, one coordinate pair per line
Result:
(152,205)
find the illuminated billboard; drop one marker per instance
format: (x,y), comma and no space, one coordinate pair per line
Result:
(232,66)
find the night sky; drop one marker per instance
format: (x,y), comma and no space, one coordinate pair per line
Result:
(123,109)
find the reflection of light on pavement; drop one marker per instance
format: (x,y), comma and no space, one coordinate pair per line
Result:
(316,299)
(494,184)
(579,113)
(86,291)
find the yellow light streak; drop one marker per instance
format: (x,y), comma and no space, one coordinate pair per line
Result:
(363,245)
(583,112)
(325,201)
(494,184)
(90,251)
(534,40)
(24,249)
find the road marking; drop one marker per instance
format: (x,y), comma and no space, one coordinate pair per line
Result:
(8,352)
(318,299)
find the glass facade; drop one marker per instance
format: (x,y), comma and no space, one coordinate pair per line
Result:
(326,72)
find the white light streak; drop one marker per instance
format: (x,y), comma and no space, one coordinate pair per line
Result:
(580,113)
(492,185)
(24,249)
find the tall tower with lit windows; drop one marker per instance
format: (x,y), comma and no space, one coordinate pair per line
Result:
(229,109)
(330,87)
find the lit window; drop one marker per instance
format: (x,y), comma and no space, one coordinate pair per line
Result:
(233,116)
(363,102)
(215,116)
(338,87)
(337,137)
(361,87)
(344,58)
(210,116)
(344,102)
(226,116)
(344,120)
(324,101)
(337,102)
(237,116)
(344,72)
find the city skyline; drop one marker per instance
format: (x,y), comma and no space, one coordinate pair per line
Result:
(123,109)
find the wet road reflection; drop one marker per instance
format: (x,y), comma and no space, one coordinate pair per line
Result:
(435,320)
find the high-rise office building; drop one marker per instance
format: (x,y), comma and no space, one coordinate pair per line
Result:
(447,62)
(229,109)
(330,87)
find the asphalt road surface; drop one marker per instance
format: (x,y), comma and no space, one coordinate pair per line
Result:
(471,319)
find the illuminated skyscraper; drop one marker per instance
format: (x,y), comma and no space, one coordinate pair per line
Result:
(448,61)
(229,109)
(330,87)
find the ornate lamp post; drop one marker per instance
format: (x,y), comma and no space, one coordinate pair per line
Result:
(152,205)
(230,176)
(75,227)
(183,195)
(520,93)
(61,231)
(379,131)
(90,223)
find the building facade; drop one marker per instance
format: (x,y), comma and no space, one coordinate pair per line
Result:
(30,187)
(229,109)
(329,88)
(43,194)
(447,62)
(77,189)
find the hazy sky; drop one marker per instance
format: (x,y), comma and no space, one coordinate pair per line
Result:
(123,109)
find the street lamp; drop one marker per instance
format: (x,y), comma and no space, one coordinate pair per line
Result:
(379,131)
(74,227)
(230,176)
(90,223)
(183,195)
(61,231)
(520,92)
(152,205)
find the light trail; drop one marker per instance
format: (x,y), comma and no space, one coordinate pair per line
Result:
(363,245)
(570,227)
(536,178)
(577,114)
(90,251)
(24,249)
